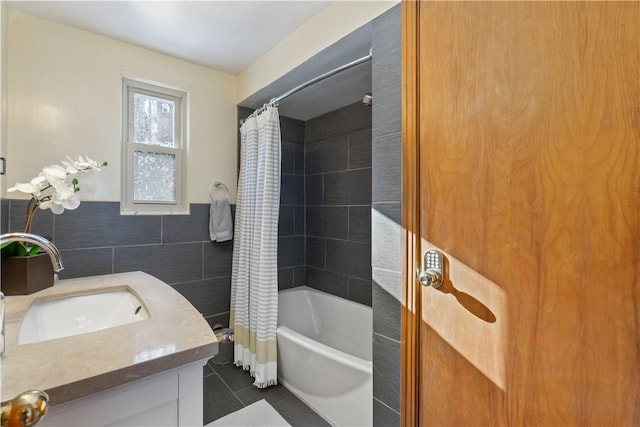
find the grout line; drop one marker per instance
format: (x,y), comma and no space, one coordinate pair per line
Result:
(386,337)
(384,404)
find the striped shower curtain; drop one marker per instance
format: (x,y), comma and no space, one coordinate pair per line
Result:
(254,279)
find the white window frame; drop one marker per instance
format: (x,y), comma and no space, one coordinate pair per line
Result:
(127,203)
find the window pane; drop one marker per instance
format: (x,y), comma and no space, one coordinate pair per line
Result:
(153,120)
(154,177)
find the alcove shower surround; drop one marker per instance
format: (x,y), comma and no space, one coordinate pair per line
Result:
(339,171)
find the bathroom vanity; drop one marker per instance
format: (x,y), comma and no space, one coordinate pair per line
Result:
(143,371)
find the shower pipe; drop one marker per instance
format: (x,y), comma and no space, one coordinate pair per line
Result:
(275,101)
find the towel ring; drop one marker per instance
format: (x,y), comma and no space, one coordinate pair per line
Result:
(215,186)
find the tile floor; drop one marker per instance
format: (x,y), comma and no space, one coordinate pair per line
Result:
(228,388)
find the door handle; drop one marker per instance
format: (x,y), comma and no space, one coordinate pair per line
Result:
(25,410)
(431,274)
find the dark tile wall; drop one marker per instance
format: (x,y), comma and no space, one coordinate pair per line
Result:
(338,202)
(386,251)
(95,239)
(291,225)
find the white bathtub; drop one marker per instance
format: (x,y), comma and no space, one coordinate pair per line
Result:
(324,354)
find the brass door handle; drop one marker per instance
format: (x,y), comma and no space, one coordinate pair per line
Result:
(26,409)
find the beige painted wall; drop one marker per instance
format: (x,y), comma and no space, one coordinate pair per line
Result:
(64,95)
(332,23)
(3,86)
(64,98)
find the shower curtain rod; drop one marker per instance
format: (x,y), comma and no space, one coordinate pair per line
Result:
(275,101)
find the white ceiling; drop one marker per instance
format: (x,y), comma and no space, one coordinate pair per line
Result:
(224,35)
(227,36)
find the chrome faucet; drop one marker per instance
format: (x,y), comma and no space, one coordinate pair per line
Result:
(49,247)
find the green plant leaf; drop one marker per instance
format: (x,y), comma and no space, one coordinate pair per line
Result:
(21,250)
(34,250)
(13,249)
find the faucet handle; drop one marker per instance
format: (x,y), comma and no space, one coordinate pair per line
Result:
(26,409)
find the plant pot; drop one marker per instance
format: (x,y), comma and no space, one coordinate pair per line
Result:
(24,275)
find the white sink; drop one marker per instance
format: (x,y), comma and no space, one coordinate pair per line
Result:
(51,318)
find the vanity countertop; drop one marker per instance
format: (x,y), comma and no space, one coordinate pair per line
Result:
(68,368)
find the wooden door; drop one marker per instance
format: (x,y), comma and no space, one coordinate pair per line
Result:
(521,148)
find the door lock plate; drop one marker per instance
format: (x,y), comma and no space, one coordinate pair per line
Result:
(432,267)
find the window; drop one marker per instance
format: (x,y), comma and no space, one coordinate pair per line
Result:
(154,149)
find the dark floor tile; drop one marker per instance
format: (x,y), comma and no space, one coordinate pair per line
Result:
(292,409)
(206,370)
(233,376)
(218,400)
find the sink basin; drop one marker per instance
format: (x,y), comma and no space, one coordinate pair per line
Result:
(51,318)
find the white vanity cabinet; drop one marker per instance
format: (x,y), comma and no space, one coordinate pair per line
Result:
(142,373)
(172,398)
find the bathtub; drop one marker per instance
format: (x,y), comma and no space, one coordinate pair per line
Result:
(324,354)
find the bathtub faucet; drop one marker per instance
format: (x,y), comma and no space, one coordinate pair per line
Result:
(49,247)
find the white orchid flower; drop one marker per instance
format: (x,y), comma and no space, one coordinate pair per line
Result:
(52,189)
(56,172)
(86,165)
(26,188)
(69,166)
(65,197)
(46,204)
(34,187)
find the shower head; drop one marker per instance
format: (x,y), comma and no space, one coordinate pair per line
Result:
(368,99)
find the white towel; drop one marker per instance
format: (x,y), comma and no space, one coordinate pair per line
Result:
(220,223)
